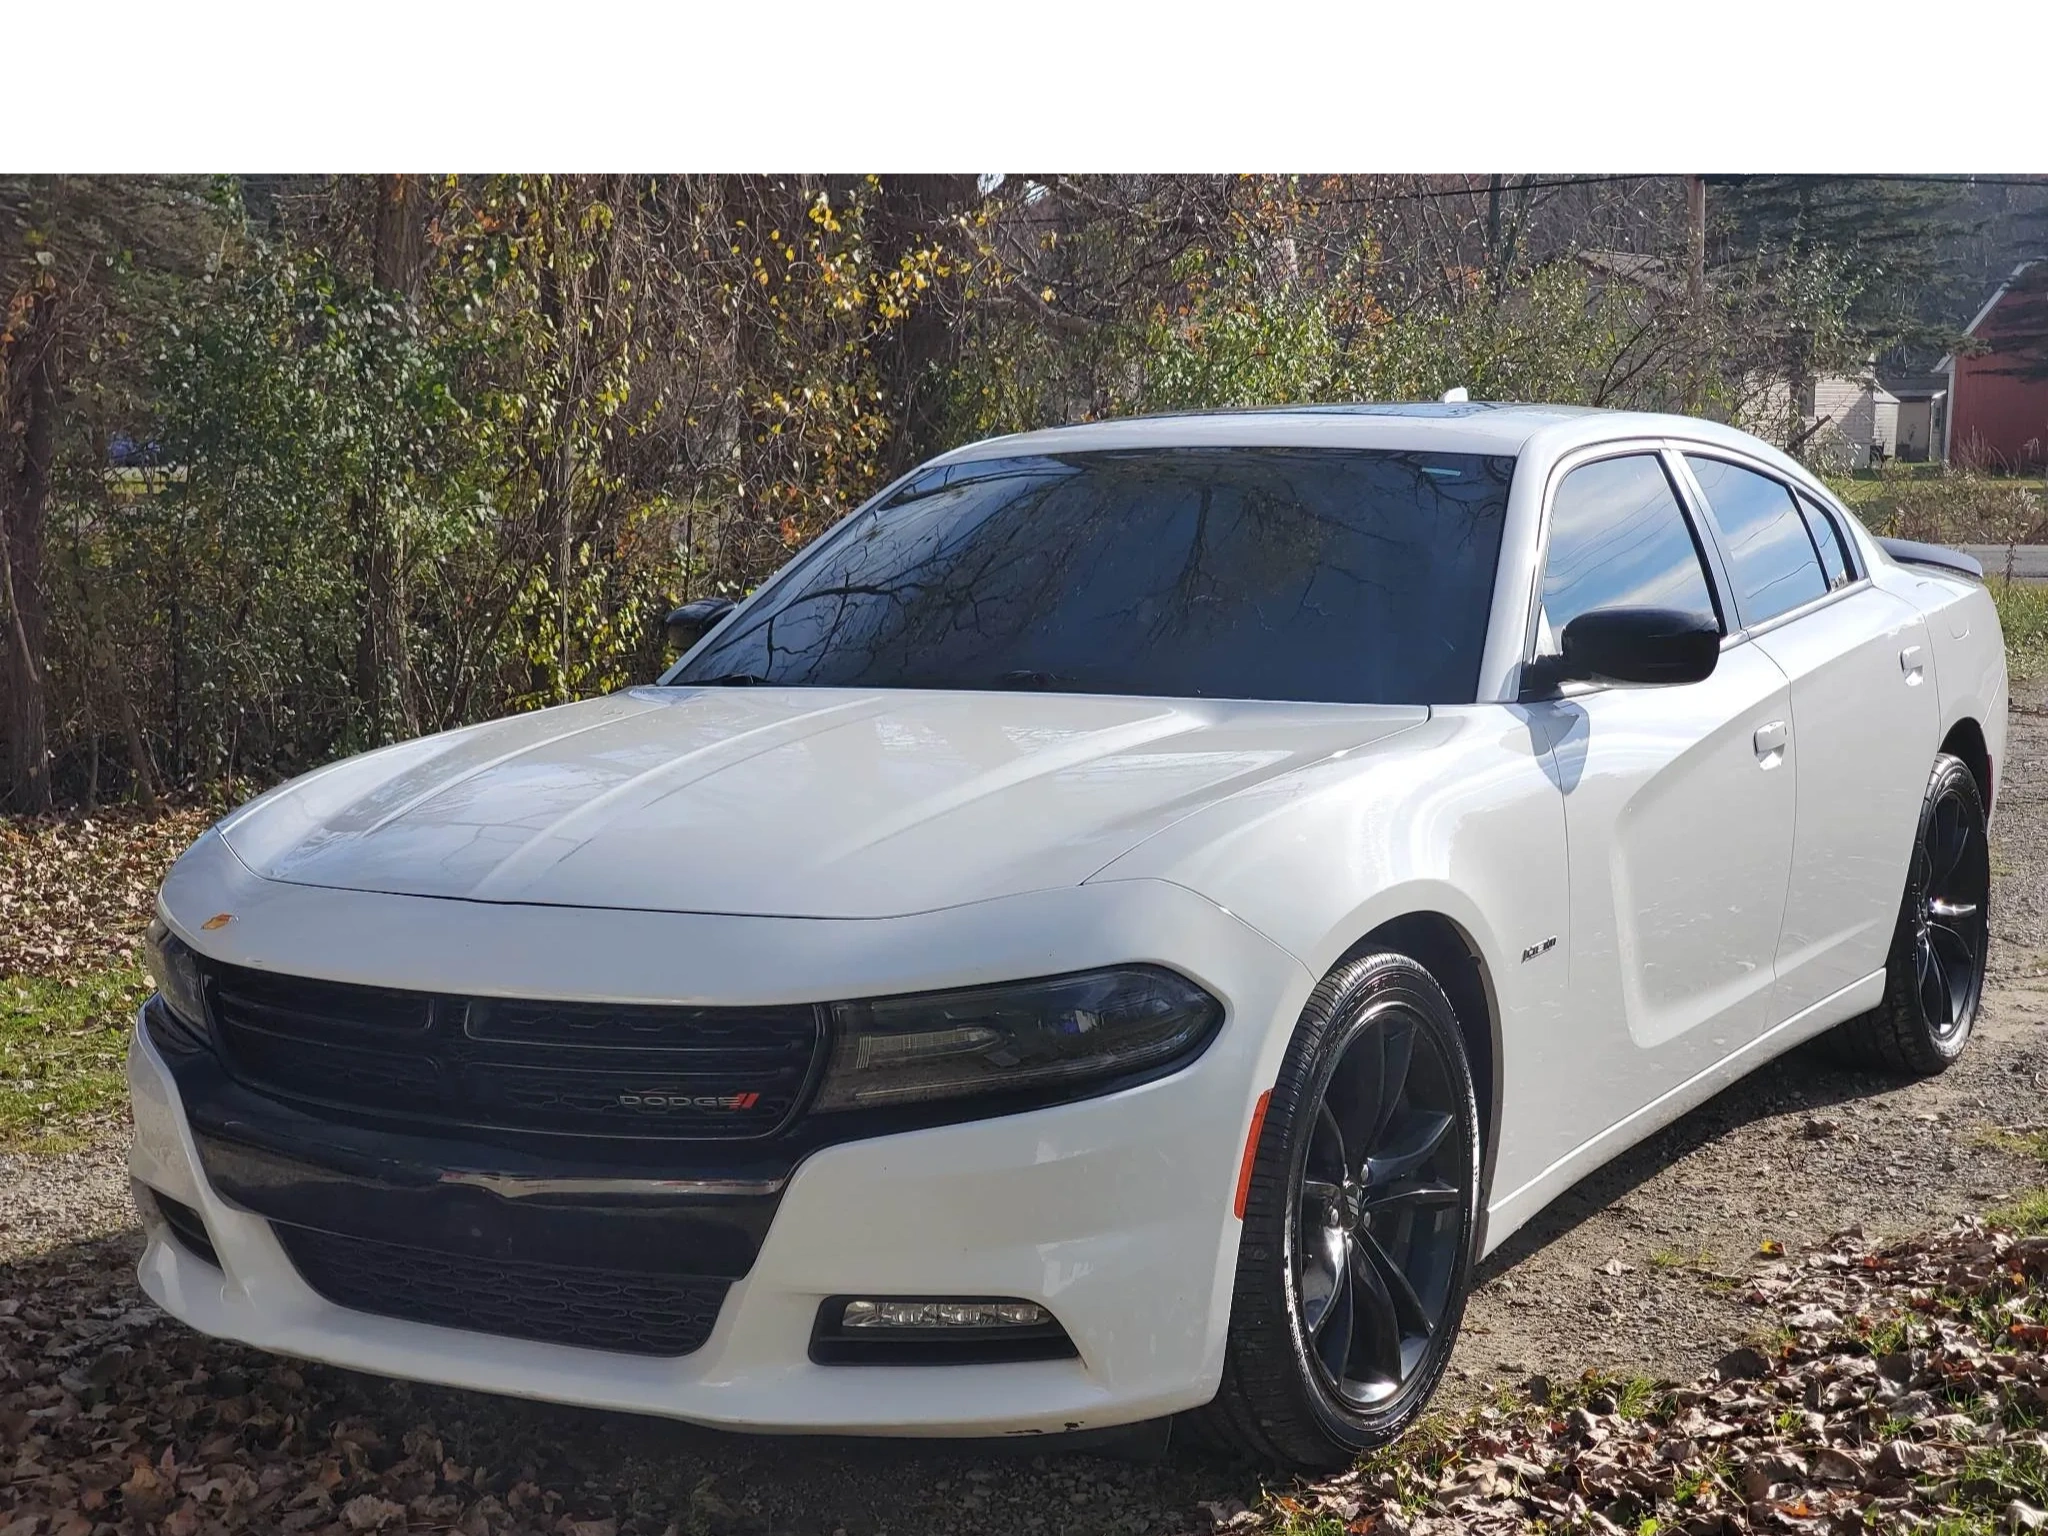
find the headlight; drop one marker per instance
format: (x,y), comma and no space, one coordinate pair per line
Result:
(1060,1032)
(175,969)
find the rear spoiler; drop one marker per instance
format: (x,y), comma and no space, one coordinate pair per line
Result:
(1913,552)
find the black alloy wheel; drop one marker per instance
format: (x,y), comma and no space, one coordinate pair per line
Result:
(1951,888)
(1934,976)
(1373,1250)
(1359,1223)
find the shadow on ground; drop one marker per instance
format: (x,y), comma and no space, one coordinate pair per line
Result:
(538,1464)
(1808,1080)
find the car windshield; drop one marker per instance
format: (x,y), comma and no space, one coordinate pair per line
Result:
(1247,573)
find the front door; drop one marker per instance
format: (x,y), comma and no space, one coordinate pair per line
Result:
(1678,808)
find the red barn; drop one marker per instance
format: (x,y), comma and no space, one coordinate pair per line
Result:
(1998,389)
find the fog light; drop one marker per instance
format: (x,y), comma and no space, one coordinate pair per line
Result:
(862,1313)
(935,1330)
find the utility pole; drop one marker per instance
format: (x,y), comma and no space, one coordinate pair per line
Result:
(1696,229)
(1696,286)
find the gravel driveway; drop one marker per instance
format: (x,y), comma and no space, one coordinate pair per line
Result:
(1631,1272)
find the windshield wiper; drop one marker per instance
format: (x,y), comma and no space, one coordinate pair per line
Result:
(1026,678)
(733,680)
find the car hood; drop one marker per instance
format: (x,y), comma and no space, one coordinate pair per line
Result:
(781,801)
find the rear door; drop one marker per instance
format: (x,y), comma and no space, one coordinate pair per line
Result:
(1678,805)
(1864,721)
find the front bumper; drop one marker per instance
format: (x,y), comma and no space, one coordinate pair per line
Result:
(1114,1213)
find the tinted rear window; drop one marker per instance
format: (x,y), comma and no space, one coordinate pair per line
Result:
(1310,574)
(1770,555)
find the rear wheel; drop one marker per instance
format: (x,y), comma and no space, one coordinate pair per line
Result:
(1934,976)
(1358,1223)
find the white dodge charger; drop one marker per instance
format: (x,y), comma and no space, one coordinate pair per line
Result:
(1118,927)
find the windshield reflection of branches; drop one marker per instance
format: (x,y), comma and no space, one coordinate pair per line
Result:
(1266,573)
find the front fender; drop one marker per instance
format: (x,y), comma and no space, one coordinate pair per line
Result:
(1461,817)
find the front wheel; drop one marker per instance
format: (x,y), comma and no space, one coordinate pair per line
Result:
(1358,1223)
(1934,976)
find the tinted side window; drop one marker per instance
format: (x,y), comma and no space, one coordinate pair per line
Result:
(1827,538)
(1618,539)
(1770,558)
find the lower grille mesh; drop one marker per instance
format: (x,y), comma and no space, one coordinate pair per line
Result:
(632,1313)
(187,1226)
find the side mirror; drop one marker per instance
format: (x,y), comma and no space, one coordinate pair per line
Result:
(693,621)
(1653,646)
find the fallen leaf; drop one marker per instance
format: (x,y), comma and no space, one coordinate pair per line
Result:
(368,1512)
(1744,1364)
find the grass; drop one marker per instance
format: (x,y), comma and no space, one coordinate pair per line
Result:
(62,1045)
(1889,1336)
(2033,1144)
(1636,1396)
(2023,615)
(1413,1462)
(1631,1397)
(1992,1478)
(2027,1214)
(1863,491)
(1689,1486)
(1701,1258)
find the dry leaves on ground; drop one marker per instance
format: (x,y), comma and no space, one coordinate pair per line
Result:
(1906,1388)
(77,891)
(116,1421)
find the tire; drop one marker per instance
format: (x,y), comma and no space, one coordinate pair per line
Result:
(1337,1228)
(1934,975)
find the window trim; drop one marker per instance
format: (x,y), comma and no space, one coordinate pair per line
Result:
(1850,563)
(1680,449)
(1705,542)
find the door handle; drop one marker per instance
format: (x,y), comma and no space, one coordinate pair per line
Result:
(1911,664)
(1770,743)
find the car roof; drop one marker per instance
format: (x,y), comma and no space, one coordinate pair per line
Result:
(1476,426)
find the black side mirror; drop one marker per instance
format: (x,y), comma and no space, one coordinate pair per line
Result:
(1629,645)
(693,621)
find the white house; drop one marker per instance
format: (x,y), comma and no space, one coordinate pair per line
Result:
(1844,420)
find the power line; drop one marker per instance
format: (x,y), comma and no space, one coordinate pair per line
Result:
(1531,185)
(1538,184)
(1535,184)
(1960,179)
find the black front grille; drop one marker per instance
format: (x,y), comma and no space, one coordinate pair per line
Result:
(628,1312)
(633,1070)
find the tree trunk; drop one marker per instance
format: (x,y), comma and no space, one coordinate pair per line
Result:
(399,237)
(911,211)
(26,511)
(139,765)
(370,567)
(383,685)
(562,299)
